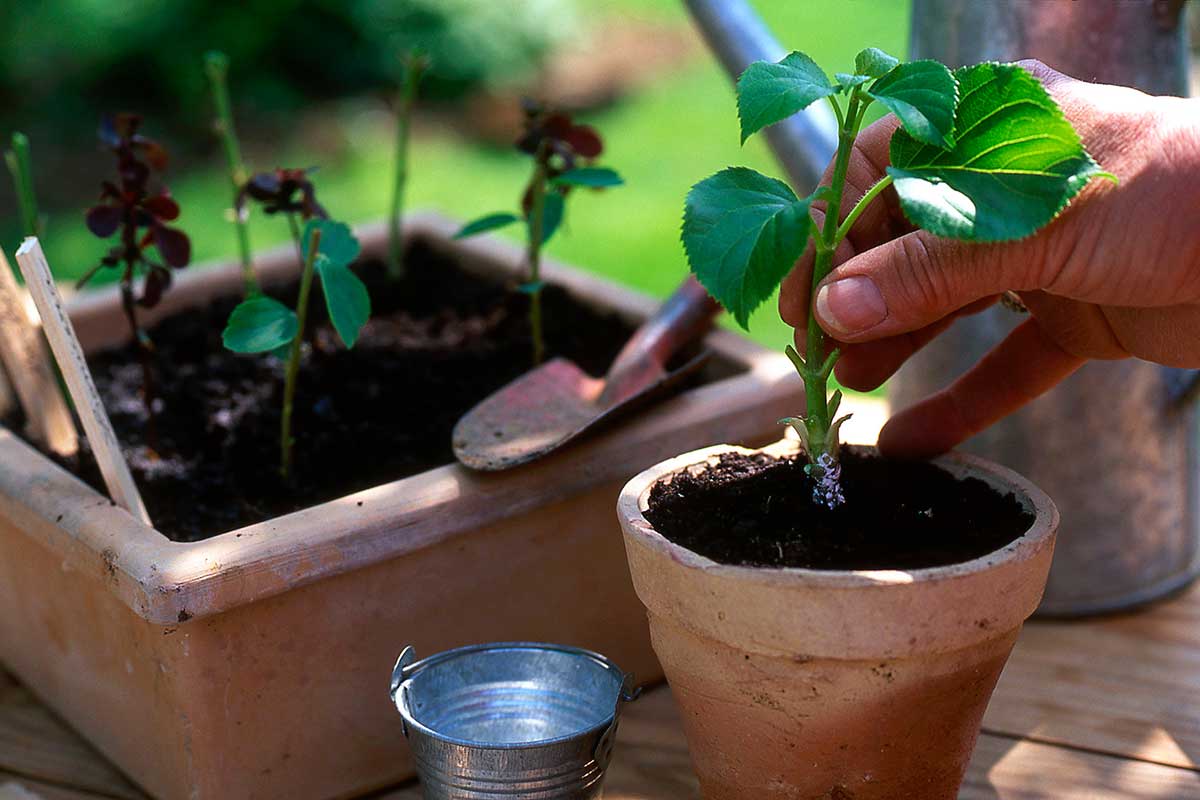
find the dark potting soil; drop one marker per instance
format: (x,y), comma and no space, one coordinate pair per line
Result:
(438,342)
(758,511)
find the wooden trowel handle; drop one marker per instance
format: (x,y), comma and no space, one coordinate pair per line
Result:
(683,318)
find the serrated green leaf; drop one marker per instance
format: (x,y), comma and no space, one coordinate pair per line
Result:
(337,240)
(346,298)
(1016,164)
(923,95)
(552,215)
(873,62)
(742,232)
(768,93)
(594,177)
(258,325)
(488,223)
(847,81)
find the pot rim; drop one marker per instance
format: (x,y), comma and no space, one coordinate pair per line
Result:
(400,696)
(634,500)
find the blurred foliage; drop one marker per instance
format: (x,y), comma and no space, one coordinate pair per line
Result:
(471,42)
(665,136)
(63,61)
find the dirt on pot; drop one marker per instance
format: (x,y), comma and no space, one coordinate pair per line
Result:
(439,341)
(758,510)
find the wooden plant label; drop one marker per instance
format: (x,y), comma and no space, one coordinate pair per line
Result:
(74,368)
(29,368)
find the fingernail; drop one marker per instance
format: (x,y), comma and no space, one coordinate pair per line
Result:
(851,305)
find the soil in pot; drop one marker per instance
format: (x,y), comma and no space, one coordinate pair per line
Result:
(438,342)
(757,510)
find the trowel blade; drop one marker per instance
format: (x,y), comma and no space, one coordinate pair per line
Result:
(543,410)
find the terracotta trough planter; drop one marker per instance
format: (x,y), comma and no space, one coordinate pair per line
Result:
(255,664)
(834,685)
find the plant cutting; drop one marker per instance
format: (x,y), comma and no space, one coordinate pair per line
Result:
(563,153)
(20,166)
(139,213)
(262,324)
(216,67)
(413,65)
(982,154)
(863,667)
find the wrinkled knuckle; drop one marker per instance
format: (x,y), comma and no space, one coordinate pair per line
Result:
(1050,77)
(923,282)
(1036,66)
(1063,261)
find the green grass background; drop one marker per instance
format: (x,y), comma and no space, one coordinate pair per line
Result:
(662,139)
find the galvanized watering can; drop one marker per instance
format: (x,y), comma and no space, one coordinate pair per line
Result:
(1116,444)
(511,720)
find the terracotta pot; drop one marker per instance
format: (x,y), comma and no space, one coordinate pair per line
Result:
(254,664)
(834,685)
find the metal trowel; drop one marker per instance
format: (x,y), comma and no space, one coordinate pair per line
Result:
(556,402)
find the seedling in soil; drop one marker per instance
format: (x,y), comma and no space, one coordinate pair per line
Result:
(138,212)
(20,165)
(982,154)
(261,324)
(216,66)
(412,68)
(563,155)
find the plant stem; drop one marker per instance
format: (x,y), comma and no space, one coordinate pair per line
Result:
(20,164)
(145,351)
(861,206)
(216,64)
(294,227)
(293,365)
(537,208)
(816,379)
(414,68)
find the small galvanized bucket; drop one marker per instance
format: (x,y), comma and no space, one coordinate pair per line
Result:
(511,720)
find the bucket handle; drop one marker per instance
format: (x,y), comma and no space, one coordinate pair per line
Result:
(400,673)
(629,692)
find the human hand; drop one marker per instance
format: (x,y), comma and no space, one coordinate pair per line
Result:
(1117,275)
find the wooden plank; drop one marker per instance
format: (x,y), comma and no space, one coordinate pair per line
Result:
(41,754)
(1127,685)
(1006,769)
(48,420)
(38,748)
(651,763)
(73,365)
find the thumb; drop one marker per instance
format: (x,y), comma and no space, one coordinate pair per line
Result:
(916,280)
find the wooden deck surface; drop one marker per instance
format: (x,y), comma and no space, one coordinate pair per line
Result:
(1090,710)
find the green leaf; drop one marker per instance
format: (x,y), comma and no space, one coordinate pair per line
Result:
(922,94)
(768,93)
(847,81)
(874,63)
(337,241)
(552,214)
(743,232)
(1015,166)
(260,324)
(489,223)
(595,177)
(346,298)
